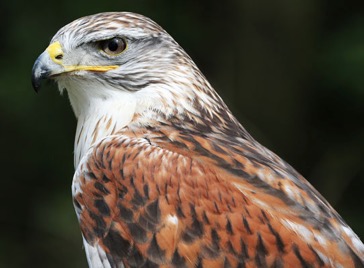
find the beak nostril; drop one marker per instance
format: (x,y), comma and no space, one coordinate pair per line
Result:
(59,56)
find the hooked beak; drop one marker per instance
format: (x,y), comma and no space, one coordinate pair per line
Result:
(50,63)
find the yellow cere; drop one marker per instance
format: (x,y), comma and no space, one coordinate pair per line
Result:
(55,50)
(56,54)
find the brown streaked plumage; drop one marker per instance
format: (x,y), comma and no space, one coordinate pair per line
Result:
(165,174)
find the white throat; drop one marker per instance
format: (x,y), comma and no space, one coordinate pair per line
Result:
(98,115)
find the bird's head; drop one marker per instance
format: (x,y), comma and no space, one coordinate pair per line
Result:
(125,50)
(110,54)
(127,60)
(106,53)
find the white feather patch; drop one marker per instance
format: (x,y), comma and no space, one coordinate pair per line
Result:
(172,219)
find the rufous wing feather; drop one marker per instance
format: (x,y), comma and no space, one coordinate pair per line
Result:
(145,205)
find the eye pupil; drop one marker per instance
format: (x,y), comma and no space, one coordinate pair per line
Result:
(113,46)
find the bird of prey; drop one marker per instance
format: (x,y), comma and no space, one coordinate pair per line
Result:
(165,174)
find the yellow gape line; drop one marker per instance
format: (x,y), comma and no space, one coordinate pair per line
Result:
(56,54)
(74,68)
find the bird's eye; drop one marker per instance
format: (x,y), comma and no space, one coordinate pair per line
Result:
(113,46)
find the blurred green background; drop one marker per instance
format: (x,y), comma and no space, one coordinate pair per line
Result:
(292,71)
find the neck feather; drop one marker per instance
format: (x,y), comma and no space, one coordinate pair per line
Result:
(99,116)
(103,111)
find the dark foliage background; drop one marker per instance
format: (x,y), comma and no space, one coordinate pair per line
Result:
(290,70)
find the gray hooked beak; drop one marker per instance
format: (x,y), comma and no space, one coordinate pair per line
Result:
(48,63)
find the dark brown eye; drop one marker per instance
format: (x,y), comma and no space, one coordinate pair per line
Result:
(113,46)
